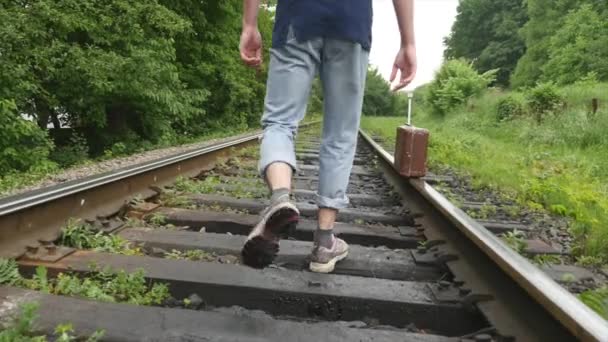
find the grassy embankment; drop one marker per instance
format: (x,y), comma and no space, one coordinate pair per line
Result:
(560,165)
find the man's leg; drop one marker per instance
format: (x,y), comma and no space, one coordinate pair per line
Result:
(343,72)
(292,70)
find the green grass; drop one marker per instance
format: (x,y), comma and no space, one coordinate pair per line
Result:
(560,165)
(597,299)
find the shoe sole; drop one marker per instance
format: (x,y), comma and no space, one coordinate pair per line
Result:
(329,266)
(281,213)
(259,252)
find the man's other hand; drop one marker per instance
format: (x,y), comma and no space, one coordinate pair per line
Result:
(251,47)
(405,62)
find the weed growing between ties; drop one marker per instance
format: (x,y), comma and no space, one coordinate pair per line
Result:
(81,235)
(101,285)
(175,199)
(213,184)
(516,240)
(547,259)
(22,329)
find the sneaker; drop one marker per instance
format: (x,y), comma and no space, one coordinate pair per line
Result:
(323,260)
(278,221)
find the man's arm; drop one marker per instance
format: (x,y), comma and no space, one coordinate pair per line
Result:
(406,57)
(251,40)
(250,13)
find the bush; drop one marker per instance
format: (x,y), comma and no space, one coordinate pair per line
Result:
(75,152)
(23,145)
(454,84)
(509,107)
(543,99)
(379,100)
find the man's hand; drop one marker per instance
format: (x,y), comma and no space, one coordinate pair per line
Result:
(251,47)
(406,58)
(406,63)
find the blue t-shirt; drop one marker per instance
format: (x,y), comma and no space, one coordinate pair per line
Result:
(339,19)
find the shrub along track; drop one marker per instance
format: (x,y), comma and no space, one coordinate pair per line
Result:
(418,269)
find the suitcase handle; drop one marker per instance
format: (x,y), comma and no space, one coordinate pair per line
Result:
(410,95)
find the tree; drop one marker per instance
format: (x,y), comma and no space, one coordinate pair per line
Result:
(546,18)
(108,65)
(208,60)
(486,32)
(578,48)
(129,71)
(378,100)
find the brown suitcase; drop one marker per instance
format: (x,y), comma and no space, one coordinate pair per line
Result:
(411,151)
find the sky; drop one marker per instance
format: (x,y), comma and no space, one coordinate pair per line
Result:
(433,20)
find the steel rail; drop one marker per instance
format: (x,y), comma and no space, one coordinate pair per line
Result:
(21,202)
(36,217)
(579,319)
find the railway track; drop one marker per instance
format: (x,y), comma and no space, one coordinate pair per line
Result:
(419,269)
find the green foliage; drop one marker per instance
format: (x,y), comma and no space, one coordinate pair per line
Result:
(589,261)
(532,40)
(544,98)
(559,33)
(76,151)
(22,328)
(486,33)
(23,146)
(509,107)
(9,272)
(516,240)
(121,73)
(81,235)
(547,259)
(597,300)
(455,83)
(379,99)
(64,334)
(103,286)
(157,219)
(207,62)
(130,72)
(579,47)
(174,199)
(315,102)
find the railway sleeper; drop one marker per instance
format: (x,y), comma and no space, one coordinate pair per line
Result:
(371,262)
(125,322)
(404,237)
(256,206)
(282,292)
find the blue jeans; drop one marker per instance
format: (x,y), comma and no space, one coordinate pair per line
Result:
(342,66)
